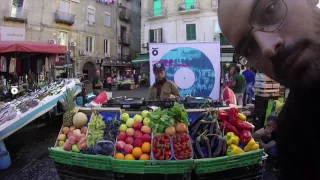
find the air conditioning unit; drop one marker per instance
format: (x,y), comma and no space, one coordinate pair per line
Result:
(70,52)
(52,41)
(73,44)
(98,61)
(82,52)
(192,7)
(106,54)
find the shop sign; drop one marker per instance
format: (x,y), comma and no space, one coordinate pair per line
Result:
(226,57)
(12,34)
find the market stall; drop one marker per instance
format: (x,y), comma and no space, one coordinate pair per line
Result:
(173,143)
(16,114)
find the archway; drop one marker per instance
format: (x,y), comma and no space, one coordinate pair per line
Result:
(89,70)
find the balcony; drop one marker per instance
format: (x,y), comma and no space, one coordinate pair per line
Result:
(64,17)
(157,13)
(16,14)
(214,5)
(189,8)
(126,58)
(124,41)
(125,15)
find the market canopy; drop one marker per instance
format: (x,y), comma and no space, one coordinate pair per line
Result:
(140,59)
(35,47)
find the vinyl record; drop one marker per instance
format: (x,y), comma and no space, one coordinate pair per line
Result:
(191,70)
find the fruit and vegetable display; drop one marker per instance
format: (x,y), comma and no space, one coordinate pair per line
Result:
(161,147)
(96,129)
(134,138)
(182,147)
(72,139)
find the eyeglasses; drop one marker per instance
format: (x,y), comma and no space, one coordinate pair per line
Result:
(267,16)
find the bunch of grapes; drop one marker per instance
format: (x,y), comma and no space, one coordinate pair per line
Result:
(88,150)
(96,130)
(111,129)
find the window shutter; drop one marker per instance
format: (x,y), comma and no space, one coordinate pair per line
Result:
(87,44)
(188,31)
(160,34)
(194,33)
(151,36)
(107,20)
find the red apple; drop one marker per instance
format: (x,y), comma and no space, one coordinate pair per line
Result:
(137,126)
(137,143)
(72,128)
(84,130)
(122,136)
(72,140)
(129,140)
(70,134)
(128,148)
(146,138)
(138,134)
(67,146)
(120,145)
(146,129)
(82,145)
(81,137)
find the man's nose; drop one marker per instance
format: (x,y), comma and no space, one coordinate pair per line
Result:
(269,43)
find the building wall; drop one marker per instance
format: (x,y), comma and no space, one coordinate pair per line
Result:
(41,26)
(174,24)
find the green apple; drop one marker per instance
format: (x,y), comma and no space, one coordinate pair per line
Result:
(61,143)
(130,122)
(137,118)
(145,113)
(124,117)
(123,128)
(146,121)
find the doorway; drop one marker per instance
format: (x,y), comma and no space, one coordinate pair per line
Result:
(88,71)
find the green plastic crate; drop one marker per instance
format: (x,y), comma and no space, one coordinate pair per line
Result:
(83,160)
(211,165)
(152,167)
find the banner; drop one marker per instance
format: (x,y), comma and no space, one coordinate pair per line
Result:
(194,67)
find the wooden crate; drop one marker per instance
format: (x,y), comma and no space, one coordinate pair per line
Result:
(267,94)
(267,90)
(262,77)
(264,84)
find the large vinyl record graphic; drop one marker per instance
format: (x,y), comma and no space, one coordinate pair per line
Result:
(183,67)
(194,67)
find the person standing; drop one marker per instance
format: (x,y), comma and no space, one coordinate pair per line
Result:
(163,89)
(249,90)
(109,81)
(229,78)
(136,80)
(238,85)
(96,84)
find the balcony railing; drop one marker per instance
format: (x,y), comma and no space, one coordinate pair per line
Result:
(125,15)
(126,58)
(14,13)
(124,41)
(214,5)
(157,13)
(187,8)
(64,17)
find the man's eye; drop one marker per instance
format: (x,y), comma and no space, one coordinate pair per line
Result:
(269,11)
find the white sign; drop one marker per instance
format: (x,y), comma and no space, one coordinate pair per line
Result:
(194,67)
(12,34)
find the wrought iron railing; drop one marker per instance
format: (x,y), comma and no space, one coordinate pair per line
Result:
(157,12)
(65,17)
(186,6)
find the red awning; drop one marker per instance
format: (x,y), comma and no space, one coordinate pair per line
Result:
(37,47)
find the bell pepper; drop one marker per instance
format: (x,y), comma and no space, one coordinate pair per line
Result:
(242,117)
(227,127)
(233,116)
(234,150)
(243,125)
(245,137)
(223,115)
(231,138)
(251,146)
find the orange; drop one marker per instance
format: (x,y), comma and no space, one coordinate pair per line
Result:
(119,156)
(144,157)
(146,147)
(129,157)
(137,152)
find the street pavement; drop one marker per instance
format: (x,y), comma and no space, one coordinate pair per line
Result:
(29,147)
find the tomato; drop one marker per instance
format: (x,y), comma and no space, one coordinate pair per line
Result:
(181,128)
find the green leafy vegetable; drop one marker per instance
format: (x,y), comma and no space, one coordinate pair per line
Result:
(161,119)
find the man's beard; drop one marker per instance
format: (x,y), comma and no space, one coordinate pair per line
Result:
(308,75)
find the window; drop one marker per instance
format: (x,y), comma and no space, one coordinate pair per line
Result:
(106,46)
(223,41)
(90,44)
(17,8)
(107,19)
(157,7)
(191,32)
(63,38)
(91,15)
(155,35)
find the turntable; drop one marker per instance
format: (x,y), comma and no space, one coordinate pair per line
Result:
(125,102)
(197,102)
